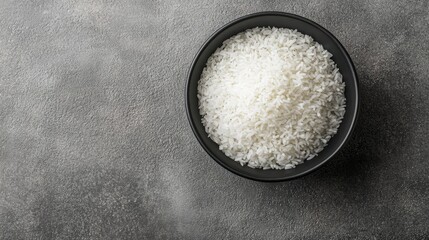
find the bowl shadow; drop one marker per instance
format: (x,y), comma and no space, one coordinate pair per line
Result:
(379,132)
(353,175)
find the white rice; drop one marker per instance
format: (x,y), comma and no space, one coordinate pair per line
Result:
(271,98)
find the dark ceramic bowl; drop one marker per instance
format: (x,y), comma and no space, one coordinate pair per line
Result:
(282,20)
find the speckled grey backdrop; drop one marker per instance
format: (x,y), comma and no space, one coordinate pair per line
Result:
(94,141)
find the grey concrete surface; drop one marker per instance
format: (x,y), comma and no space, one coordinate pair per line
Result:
(95,144)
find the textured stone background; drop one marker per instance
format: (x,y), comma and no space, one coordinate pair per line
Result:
(95,144)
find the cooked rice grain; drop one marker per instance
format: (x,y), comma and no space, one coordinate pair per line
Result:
(271,98)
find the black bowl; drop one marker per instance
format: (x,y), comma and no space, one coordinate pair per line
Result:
(282,20)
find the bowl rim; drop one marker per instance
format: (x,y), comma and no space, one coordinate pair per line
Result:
(300,18)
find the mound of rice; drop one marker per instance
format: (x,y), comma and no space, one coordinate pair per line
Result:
(271,98)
